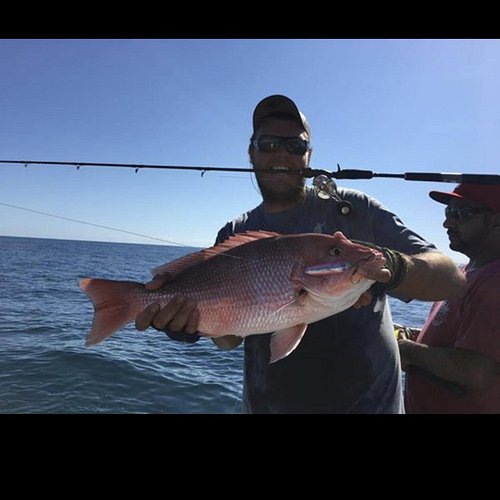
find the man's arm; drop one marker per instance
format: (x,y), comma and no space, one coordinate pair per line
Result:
(431,276)
(468,369)
(428,276)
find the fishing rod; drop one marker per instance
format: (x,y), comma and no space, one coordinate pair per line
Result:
(323,182)
(307,172)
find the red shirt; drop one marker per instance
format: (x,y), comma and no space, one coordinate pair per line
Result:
(472,323)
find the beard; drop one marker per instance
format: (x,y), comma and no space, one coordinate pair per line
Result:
(470,244)
(456,246)
(290,190)
(456,243)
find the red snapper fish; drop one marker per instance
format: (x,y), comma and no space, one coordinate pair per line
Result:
(254,282)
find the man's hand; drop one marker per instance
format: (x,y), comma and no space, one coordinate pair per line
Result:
(396,264)
(405,345)
(180,316)
(381,275)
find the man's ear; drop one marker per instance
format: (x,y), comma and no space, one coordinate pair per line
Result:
(309,153)
(251,153)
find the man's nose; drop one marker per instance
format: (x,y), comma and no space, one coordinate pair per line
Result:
(282,152)
(449,222)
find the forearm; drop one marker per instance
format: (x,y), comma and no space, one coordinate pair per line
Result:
(431,276)
(466,368)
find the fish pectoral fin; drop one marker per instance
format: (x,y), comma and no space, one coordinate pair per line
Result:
(285,341)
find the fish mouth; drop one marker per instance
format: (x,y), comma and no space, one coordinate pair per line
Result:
(329,268)
(339,267)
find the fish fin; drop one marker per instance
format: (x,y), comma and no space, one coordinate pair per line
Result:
(285,341)
(113,307)
(247,236)
(177,266)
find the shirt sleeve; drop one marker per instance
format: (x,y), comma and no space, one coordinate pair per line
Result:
(224,233)
(378,224)
(391,232)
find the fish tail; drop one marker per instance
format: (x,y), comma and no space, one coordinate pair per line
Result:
(114,306)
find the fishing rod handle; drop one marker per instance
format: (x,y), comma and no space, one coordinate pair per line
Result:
(339,174)
(452,177)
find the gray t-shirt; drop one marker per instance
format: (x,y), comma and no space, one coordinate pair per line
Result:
(349,362)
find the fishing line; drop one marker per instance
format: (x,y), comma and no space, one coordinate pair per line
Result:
(93,224)
(206,250)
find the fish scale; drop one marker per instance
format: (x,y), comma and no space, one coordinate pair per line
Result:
(256,282)
(244,295)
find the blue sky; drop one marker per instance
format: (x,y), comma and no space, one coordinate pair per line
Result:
(382,105)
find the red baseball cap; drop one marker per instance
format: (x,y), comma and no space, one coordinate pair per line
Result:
(484,194)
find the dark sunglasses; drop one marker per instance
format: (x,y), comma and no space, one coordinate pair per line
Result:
(463,213)
(273,143)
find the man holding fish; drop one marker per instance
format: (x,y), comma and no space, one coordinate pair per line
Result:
(347,362)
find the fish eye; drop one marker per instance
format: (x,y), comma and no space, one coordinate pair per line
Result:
(335,251)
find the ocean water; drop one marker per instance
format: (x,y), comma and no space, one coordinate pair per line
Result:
(45,317)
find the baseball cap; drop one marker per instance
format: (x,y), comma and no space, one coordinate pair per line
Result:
(282,105)
(485,194)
